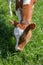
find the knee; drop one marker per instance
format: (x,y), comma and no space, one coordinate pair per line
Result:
(26,2)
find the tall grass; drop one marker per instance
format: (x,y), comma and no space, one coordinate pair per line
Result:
(33,52)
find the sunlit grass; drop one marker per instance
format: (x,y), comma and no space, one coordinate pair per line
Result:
(33,52)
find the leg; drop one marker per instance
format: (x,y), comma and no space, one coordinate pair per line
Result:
(26,17)
(9,5)
(27,9)
(18,13)
(18,10)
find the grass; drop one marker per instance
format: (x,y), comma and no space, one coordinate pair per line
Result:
(33,52)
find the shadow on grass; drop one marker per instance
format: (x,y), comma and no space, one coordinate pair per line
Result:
(7,40)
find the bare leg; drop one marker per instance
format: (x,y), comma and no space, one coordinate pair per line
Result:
(26,16)
(18,10)
(18,13)
(9,5)
(27,9)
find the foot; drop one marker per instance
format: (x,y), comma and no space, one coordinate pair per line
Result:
(25,37)
(29,27)
(22,43)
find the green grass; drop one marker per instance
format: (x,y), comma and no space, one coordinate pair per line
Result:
(33,52)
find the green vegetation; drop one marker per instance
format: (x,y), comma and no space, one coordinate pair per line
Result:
(33,52)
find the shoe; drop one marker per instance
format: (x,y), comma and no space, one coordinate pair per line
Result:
(25,37)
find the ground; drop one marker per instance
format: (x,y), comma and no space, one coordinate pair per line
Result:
(33,52)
